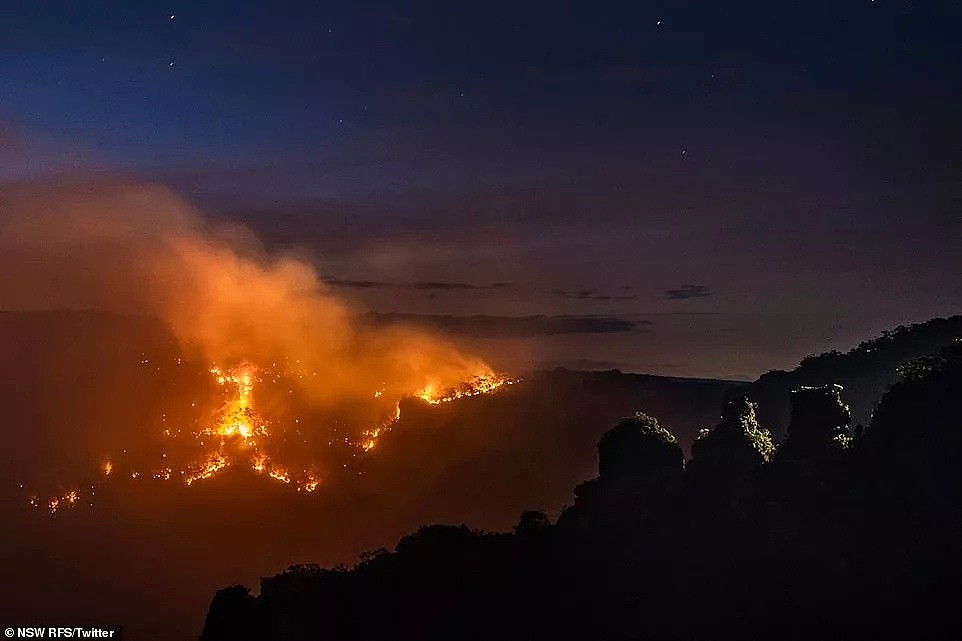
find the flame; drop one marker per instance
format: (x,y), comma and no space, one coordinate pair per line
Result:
(310,483)
(208,468)
(162,474)
(279,474)
(369,437)
(239,420)
(67,499)
(238,433)
(259,462)
(238,417)
(484,384)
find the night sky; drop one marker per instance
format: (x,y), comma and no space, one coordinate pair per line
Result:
(698,189)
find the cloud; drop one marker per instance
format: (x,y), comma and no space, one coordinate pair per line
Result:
(688,291)
(590,294)
(358,284)
(104,242)
(482,326)
(447,285)
(582,364)
(430,285)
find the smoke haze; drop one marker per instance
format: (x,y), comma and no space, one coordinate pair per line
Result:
(120,245)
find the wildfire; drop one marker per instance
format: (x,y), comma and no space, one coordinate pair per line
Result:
(485,384)
(226,299)
(67,499)
(259,462)
(214,464)
(310,484)
(239,435)
(238,417)
(369,437)
(279,474)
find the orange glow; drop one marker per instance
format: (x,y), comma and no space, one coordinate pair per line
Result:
(230,302)
(237,433)
(259,462)
(279,474)
(483,384)
(237,416)
(67,499)
(310,483)
(208,468)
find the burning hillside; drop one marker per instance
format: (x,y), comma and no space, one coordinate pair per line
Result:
(284,450)
(124,247)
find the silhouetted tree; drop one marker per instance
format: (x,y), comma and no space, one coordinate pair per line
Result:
(620,525)
(719,562)
(641,467)
(638,451)
(725,458)
(819,423)
(532,524)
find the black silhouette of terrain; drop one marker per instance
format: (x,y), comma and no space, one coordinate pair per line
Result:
(831,535)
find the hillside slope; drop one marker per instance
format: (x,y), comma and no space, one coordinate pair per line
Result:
(865,371)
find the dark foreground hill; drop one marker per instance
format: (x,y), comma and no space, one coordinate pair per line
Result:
(831,535)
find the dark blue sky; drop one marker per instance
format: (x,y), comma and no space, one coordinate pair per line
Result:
(746,182)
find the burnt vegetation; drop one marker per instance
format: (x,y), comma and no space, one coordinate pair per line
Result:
(837,531)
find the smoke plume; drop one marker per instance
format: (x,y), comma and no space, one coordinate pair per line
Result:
(124,246)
